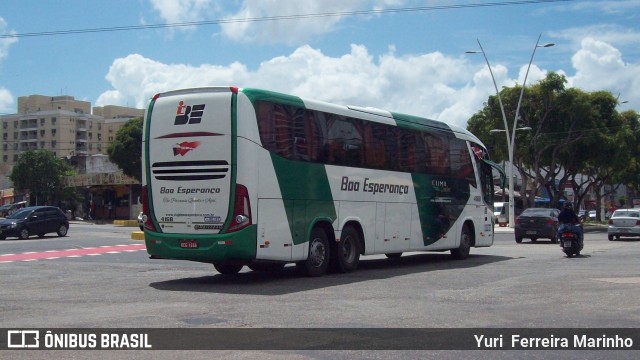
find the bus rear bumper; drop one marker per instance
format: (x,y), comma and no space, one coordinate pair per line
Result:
(239,245)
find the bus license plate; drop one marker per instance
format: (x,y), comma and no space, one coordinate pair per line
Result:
(189,244)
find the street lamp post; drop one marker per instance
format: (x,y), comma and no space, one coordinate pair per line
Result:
(511,138)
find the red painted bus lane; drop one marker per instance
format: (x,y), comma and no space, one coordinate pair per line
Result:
(57,254)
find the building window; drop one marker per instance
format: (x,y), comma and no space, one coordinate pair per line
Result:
(53,132)
(42,132)
(53,144)
(41,122)
(53,121)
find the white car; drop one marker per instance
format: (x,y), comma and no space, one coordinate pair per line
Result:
(624,222)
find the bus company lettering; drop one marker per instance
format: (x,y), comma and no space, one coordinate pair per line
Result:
(441,186)
(181,190)
(372,187)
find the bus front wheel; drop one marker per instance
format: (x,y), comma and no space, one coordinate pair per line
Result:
(462,252)
(226,268)
(319,254)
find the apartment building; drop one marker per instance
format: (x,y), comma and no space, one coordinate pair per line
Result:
(68,128)
(60,124)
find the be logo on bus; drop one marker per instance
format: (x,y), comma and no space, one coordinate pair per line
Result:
(189,115)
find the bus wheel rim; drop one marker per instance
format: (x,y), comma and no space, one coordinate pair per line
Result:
(317,253)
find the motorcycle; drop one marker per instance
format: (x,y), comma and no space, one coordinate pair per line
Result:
(570,243)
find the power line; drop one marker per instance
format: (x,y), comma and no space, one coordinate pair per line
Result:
(274,18)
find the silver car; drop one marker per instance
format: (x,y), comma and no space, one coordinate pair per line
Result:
(624,222)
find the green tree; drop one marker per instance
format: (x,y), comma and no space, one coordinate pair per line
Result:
(573,133)
(126,149)
(40,172)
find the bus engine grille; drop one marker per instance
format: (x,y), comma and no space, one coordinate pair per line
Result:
(190,170)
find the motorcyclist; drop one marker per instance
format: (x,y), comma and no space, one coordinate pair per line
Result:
(568,218)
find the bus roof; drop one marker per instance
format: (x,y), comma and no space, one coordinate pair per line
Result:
(366,113)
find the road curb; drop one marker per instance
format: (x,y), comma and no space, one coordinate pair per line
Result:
(137,235)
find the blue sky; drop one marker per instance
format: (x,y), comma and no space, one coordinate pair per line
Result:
(410,61)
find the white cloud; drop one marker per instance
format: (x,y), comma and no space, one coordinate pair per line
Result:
(182,11)
(6,101)
(135,79)
(307,19)
(431,85)
(5,43)
(425,85)
(599,66)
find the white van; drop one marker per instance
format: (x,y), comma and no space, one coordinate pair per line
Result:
(501,213)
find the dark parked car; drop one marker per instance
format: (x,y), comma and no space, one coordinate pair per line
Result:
(34,220)
(535,223)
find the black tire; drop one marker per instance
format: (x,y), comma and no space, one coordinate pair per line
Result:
(3,237)
(393,255)
(346,256)
(569,253)
(610,237)
(23,234)
(319,254)
(227,268)
(534,239)
(519,240)
(554,239)
(462,252)
(62,230)
(40,235)
(266,267)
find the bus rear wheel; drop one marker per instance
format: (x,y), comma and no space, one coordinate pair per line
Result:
(347,250)
(227,268)
(319,254)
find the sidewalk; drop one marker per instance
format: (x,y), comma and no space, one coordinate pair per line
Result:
(587,227)
(127,223)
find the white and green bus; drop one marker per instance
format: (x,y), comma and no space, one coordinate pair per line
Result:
(237,176)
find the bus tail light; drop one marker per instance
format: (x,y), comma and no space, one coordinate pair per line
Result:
(241,209)
(148,224)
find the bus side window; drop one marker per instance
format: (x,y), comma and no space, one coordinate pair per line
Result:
(461,165)
(439,153)
(374,146)
(407,151)
(265,125)
(300,146)
(282,124)
(391,147)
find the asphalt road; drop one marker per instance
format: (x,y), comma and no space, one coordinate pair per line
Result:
(508,285)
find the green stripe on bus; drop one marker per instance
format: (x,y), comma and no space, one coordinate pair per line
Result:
(440,203)
(264,95)
(304,202)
